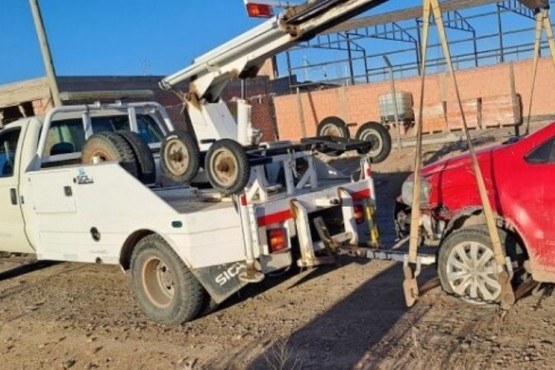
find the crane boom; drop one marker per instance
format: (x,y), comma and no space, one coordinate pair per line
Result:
(242,57)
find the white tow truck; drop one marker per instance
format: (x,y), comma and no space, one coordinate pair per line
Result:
(273,204)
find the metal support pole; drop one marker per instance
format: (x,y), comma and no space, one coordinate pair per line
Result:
(419,46)
(542,22)
(500,33)
(475,48)
(46,56)
(243,88)
(395,106)
(350,58)
(365,66)
(417,55)
(288,58)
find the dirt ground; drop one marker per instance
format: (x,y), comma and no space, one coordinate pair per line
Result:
(351,316)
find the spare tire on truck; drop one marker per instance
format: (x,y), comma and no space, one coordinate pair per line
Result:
(227,166)
(180,156)
(110,147)
(379,137)
(143,155)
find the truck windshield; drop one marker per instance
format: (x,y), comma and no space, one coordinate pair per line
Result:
(8,146)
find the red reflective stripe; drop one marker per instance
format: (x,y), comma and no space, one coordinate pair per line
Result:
(243,200)
(361,194)
(274,218)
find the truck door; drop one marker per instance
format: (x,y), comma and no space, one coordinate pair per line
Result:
(12,228)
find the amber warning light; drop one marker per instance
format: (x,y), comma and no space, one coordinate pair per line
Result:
(259,10)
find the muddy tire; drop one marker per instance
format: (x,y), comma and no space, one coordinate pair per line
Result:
(143,155)
(164,287)
(110,147)
(380,138)
(333,126)
(180,157)
(466,264)
(227,166)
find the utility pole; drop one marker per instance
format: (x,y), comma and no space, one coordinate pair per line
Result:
(46,56)
(395,106)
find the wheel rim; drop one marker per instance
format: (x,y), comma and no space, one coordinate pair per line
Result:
(331,130)
(374,138)
(102,155)
(177,157)
(225,167)
(471,271)
(158,281)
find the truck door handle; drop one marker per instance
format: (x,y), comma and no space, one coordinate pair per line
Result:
(67,191)
(13,196)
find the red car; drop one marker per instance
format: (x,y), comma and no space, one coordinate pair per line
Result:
(520,179)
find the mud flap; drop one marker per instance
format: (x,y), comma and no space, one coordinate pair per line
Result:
(221,281)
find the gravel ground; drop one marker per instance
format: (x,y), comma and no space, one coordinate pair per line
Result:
(350,316)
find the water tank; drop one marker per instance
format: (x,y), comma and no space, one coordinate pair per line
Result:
(404,106)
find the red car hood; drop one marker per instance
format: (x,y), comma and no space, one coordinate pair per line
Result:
(461,160)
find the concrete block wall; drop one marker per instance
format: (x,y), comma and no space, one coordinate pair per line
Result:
(359,103)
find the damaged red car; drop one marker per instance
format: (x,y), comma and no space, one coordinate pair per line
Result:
(520,179)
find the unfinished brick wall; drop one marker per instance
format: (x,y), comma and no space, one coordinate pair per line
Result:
(41,106)
(359,103)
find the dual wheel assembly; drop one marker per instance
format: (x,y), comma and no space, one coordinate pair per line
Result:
(373,132)
(226,163)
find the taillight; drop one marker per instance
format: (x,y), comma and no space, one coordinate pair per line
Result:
(260,10)
(358,211)
(277,240)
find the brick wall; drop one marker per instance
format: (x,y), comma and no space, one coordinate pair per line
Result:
(359,103)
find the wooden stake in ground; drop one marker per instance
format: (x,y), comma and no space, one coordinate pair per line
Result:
(410,269)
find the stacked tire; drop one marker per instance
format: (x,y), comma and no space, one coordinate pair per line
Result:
(226,162)
(125,147)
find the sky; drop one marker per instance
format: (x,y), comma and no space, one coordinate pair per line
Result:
(120,37)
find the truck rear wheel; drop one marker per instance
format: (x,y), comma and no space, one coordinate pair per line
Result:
(227,166)
(164,287)
(145,160)
(110,147)
(379,137)
(180,156)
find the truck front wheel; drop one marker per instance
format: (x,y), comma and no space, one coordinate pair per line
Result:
(163,286)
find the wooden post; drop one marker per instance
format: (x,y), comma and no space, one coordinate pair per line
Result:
(395,106)
(301,112)
(46,55)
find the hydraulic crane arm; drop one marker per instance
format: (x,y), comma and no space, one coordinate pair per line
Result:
(242,56)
